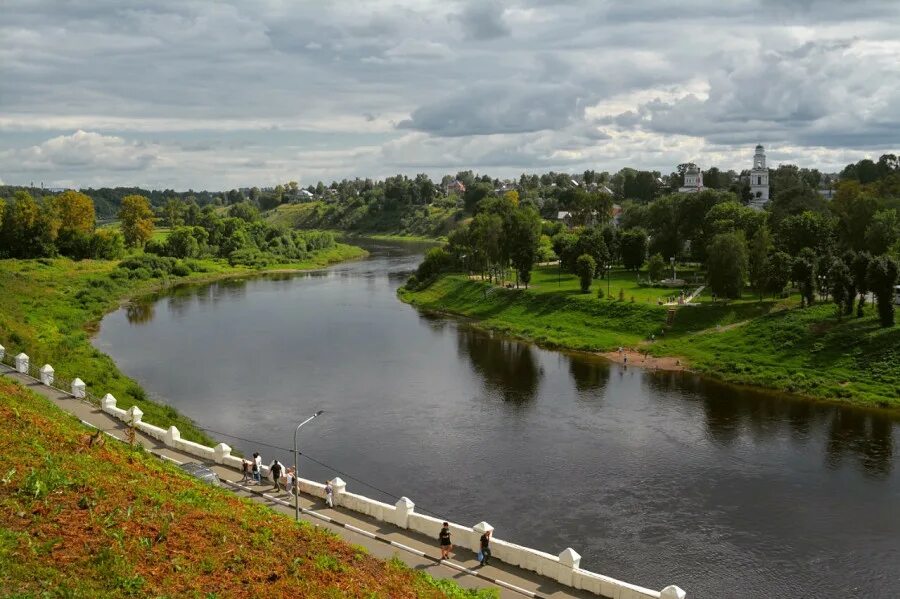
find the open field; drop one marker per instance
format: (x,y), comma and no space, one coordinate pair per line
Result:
(83,519)
(49,307)
(770,343)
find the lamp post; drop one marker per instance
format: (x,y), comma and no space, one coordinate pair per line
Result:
(296,470)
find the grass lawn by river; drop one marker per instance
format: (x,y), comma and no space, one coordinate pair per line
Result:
(771,343)
(109,520)
(49,307)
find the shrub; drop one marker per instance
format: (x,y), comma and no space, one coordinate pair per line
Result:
(181,270)
(585,266)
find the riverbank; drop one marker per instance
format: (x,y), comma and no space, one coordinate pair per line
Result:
(419,223)
(64,525)
(770,344)
(49,308)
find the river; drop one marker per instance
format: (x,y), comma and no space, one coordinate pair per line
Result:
(654,478)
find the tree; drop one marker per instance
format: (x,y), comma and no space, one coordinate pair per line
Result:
(74,211)
(803,271)
(244,211)
(565,246)
(634,248)
(805,230)
(778,272)
(182,244)
(137,220)
(591,242)
(841,281)
(656,267)
(727,264)
(881,277)
(524,234)
(859,270)
(854,211)
(28,231)
(882,232)
(758,259)
(585,267)
(174,209)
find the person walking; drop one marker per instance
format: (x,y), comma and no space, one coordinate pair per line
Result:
(257,468)
(444,538)
(290,480)
(329,494)
(485,552)
(275,470)
(245,471)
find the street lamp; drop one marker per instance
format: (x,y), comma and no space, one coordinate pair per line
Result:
(296,470)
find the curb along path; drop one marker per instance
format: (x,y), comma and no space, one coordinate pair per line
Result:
(381,539)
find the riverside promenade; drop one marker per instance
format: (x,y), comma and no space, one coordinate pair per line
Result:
(383,540)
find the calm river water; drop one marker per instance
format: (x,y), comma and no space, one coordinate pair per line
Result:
(654,478)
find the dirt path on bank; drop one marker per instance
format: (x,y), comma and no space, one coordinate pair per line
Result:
(642,360)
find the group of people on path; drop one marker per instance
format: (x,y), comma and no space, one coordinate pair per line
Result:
(252,471)
(446,545)
(282,479)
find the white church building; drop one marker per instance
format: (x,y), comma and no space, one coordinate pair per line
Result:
(693,180)
(759,180)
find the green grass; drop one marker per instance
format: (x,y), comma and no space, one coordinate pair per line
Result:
(49,308)
(109,520)
(549,279)
(769,343)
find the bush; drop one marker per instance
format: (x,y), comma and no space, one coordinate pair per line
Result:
(251,257)
(585,266)
(600,293)
(181,270)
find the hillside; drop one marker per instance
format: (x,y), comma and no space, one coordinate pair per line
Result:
(430,221)
(108,520)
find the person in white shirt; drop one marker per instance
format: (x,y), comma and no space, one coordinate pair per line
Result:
(257,468)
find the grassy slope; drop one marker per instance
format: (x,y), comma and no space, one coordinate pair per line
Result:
(424,222)
(49,307)
(113,521)
(769,343)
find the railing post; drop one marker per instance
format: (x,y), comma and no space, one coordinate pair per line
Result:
(22,363)
(569,561)
(404,507)
(47,374)
(78,389)
(108,402)
(478,530)
(2,352)
(338,487)
(135,414)
(222,451)
(173,435)
(672,592)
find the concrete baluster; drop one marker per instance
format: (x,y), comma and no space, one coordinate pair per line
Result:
(339,487)
(222,451)
(672,592)
(569,561)
(108,402)
(478,530)
(173,435)
(135,414)
(404,507)
(78,389)
(22,363)
(2,352)
(47,374)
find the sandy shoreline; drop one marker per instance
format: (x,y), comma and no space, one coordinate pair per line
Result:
(636,358)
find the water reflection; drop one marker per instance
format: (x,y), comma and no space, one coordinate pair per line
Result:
(140,312)
(733,413)
(507,367)
(864,436)
(588,374)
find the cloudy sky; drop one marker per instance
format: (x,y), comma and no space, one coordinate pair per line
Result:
(183,94)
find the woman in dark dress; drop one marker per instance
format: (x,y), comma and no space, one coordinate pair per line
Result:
(444,538)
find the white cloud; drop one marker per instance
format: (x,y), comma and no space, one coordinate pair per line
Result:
(182,94)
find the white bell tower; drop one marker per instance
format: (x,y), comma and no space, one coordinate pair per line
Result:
(759,179)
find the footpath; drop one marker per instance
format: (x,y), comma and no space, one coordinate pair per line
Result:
(381,539)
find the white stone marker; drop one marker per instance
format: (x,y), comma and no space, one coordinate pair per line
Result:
(107,402)
(672,592)
(339,487)
(135,414)
(22,363)
(47,374)
(173,435)
(569,561)
(222,451)
(2,352)
(78,389)
(404,507)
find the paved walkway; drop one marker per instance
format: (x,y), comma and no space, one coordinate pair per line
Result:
(383,540)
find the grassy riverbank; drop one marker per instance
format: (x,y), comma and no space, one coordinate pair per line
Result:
(113,521)
(771,343)
(49,308)
(414,223)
